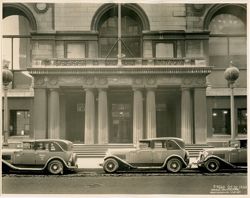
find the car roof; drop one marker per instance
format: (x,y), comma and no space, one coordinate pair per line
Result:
(47,140)
(162,138)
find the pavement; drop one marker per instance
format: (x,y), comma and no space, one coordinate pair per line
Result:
(93,163)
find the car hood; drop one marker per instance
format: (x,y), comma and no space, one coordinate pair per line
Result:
(219,150)
(10,150)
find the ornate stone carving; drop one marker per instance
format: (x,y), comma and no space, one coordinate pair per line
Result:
(53,80)
(70,79)
(39,81)
(89,80)
(151,81)
(194,81)
(138,81)
(102,81)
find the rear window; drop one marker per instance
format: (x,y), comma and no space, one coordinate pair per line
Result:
(66,146)
(171,145)
(144,145)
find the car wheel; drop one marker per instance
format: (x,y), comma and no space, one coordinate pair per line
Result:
(174,165)
(110,165)
(55,167)
(212,165)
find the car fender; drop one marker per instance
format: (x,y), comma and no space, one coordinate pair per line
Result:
(18,168)
(177,156)
(219,159)
(119,160)
(56,158)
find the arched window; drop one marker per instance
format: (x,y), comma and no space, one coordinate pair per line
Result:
(131,29)
(16,42)
(228,38)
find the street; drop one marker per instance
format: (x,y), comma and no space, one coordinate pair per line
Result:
(97,182)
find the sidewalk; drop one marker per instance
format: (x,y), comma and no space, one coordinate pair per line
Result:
(93,163)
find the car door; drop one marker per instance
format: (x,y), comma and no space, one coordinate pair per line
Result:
(234,156)
(159,153)
(42,153)
(141,157)
(25,156)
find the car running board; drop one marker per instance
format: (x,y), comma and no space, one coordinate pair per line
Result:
(18,168)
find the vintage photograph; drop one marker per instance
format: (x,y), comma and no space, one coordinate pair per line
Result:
(124,98)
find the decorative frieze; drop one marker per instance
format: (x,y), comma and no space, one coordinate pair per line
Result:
(194,81)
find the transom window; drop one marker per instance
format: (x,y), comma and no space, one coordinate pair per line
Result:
(16,42)
(130,32)
(227,41)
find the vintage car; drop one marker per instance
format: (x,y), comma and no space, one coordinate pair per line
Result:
(156,153)
(52,155)
(234,156)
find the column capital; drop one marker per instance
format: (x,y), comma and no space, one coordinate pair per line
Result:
(137,88)
(53,89)
(151,88)
(185,88)
(102,88)
(88,89)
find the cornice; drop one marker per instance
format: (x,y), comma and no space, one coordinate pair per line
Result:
(124,70)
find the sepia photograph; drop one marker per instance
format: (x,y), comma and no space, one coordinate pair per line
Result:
(124,98)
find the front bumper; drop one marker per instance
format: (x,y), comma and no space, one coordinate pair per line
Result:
(72,168)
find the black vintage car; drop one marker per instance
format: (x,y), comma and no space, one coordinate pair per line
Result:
(234,156)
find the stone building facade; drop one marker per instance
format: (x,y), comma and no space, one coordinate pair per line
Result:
(169,81)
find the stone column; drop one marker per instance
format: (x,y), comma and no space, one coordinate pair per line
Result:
(102,117)
(137,116)
(89,135)
(54,114)
(186,115)
(40,113)
(200,115)
(62,116)
(151,113)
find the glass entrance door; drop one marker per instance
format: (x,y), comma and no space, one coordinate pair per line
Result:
(75,117)
(167,113)
(121,126)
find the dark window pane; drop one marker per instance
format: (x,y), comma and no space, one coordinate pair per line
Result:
(131,47)
(19,123)
(221,121)
(242,121)
(108,47)
(130,33)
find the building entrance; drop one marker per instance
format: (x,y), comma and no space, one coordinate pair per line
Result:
(168,113)
(121,117)
(75,116)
